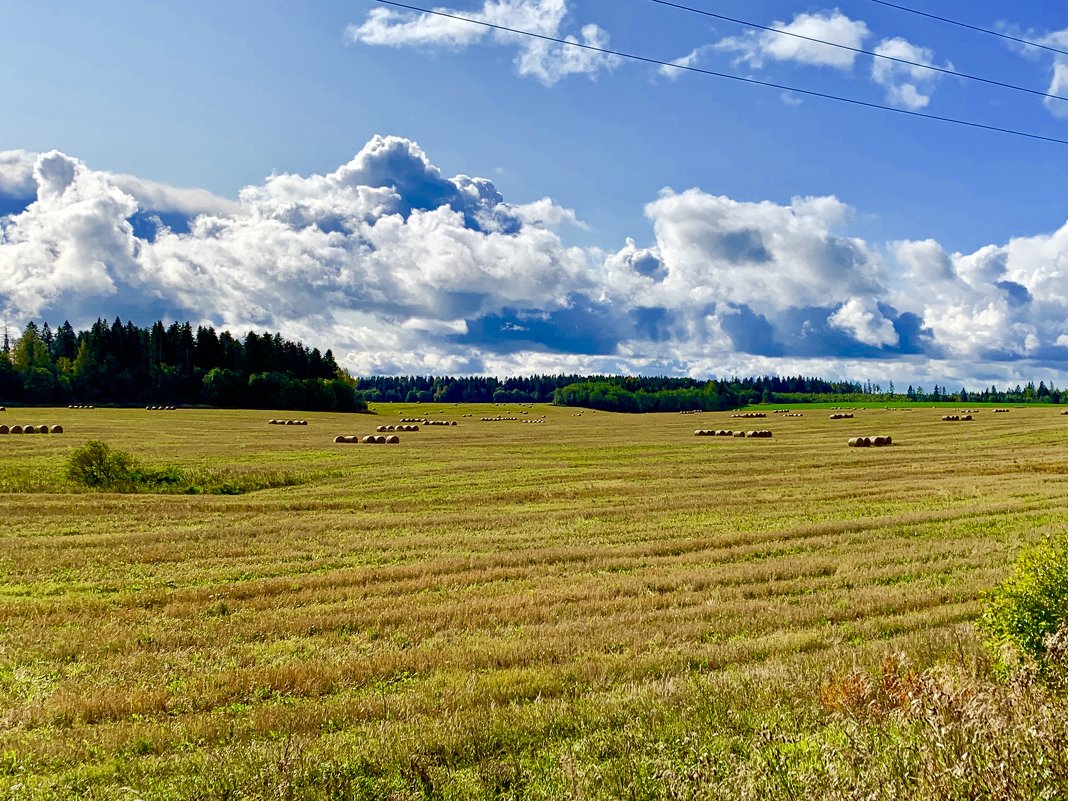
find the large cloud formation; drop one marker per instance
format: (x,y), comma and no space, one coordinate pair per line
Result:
(399,268)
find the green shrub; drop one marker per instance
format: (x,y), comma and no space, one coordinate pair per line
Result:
(1026,612)
(95,464)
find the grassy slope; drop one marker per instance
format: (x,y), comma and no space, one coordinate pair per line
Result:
(586,606)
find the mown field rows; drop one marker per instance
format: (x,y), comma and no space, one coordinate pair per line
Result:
(427,609)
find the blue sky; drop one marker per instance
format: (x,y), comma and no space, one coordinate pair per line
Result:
(625,220)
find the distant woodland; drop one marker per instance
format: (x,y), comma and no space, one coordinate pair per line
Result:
(120,363)
(126,364)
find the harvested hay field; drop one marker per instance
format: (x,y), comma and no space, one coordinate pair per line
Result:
(567,611)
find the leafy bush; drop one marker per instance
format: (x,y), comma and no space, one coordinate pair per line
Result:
(1028,613)
(96,465)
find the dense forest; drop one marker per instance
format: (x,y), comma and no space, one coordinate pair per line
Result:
(662,394)
(125,364)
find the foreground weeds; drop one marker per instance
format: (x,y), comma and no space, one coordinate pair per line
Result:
(896,732)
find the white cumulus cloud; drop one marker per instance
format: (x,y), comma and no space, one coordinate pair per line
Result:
(861,318)
(544,60)
(907,85)
(785,43)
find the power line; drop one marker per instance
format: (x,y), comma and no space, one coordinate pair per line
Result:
(1027,42)
(728,76)
(861,51)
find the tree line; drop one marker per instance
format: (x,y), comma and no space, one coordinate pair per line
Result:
(126,364)
(177,364)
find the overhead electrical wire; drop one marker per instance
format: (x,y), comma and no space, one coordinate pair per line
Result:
(861,51)
(725,75)
(958,23)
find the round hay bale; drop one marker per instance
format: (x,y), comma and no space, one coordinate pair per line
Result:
(966,417)
(879,442)
(4,429)
(339,439)
(369,439)
(42,429)
(380,440)
(853,442)
(452,423)
(392,439)
(29,430)
(380,428)
(739,433)
(16,429)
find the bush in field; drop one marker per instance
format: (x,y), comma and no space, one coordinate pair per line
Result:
(1028,613)
(95,464)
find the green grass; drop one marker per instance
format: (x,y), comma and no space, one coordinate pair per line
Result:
(599,606)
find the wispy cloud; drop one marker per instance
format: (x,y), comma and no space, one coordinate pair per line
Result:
(691,59)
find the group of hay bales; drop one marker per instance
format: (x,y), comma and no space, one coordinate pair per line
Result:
(160,408)
(1065,411)
(870,442)
(501,419)
(381,429)
(31,430)
(794,414)
(81,406)
(440,422)
(722,432)
(841,416)
(287,422)
(749,415)
(956,418)
(370,439)
(1004,411)
(533,421)
(3,408)
(691,411)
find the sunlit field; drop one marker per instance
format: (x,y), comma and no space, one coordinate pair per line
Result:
(590,606)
